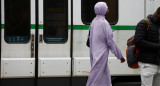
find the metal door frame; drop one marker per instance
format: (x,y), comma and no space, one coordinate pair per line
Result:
(36,42)
(0,40)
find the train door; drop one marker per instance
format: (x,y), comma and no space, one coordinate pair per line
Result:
(54,42)
(18,32)
(151,6)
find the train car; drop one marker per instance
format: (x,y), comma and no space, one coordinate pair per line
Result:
(43,42)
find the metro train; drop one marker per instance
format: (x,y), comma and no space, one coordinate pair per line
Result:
(43,42)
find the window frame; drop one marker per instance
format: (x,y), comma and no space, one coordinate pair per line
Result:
(66,29)
(88,23)
(27,37)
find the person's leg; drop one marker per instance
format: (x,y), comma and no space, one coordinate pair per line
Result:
(156,80)
(147,73)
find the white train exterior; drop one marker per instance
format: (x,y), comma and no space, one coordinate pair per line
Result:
(54,53)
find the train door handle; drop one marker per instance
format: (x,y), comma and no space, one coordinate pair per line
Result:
(41,38)
(32,46)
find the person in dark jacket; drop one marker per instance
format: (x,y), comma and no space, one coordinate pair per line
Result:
(148,43)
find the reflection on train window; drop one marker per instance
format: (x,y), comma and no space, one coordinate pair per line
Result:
(17,21)
(55,21)
(88,11)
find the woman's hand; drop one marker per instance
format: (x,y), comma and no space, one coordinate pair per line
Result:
(122,60)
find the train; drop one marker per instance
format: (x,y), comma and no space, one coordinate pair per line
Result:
(43,42)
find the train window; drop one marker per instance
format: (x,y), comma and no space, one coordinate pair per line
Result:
(55,21)
(17,21)
(88,11)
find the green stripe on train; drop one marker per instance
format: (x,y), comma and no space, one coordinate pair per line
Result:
(33,26)
(2,26)
(86,27)
(115,27)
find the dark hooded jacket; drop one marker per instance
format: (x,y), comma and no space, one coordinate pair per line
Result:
(148,42)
